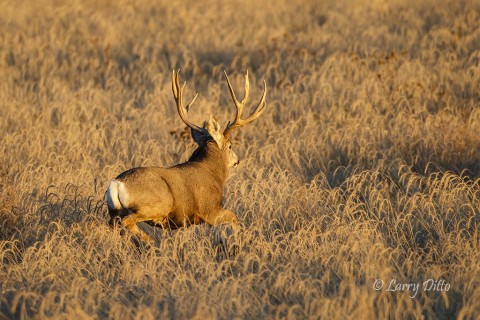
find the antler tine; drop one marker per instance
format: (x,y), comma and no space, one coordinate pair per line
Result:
(177,94)
(238,105)
(238,122)
(260,107)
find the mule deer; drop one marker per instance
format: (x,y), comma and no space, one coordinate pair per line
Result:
(187,193)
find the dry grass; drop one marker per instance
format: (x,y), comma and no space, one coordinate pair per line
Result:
(365,166)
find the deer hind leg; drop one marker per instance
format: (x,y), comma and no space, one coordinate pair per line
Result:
(130,223)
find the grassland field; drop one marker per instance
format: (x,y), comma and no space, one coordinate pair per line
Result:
(364,170)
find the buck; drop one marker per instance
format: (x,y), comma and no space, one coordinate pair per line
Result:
(187,193)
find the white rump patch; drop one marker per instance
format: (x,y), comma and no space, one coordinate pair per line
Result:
(117,197)
(123,195)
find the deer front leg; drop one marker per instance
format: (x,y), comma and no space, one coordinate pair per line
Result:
(223,217)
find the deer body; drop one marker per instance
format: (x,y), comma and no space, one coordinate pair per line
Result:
(185,194)
(188,193)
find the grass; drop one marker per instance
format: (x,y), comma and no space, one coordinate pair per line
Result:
(364,167)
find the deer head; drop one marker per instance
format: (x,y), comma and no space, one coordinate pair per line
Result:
(211,129)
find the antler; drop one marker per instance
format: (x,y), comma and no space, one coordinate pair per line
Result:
(177,94)
(238,122)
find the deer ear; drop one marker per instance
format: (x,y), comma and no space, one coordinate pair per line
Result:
(215,131)
(198,136)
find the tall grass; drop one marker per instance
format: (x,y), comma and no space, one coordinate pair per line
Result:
(365,165)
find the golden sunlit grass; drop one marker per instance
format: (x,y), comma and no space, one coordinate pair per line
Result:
(365,165)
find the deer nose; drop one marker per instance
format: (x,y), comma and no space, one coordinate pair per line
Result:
(236,163)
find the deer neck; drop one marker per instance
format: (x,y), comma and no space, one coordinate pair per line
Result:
(211,158)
